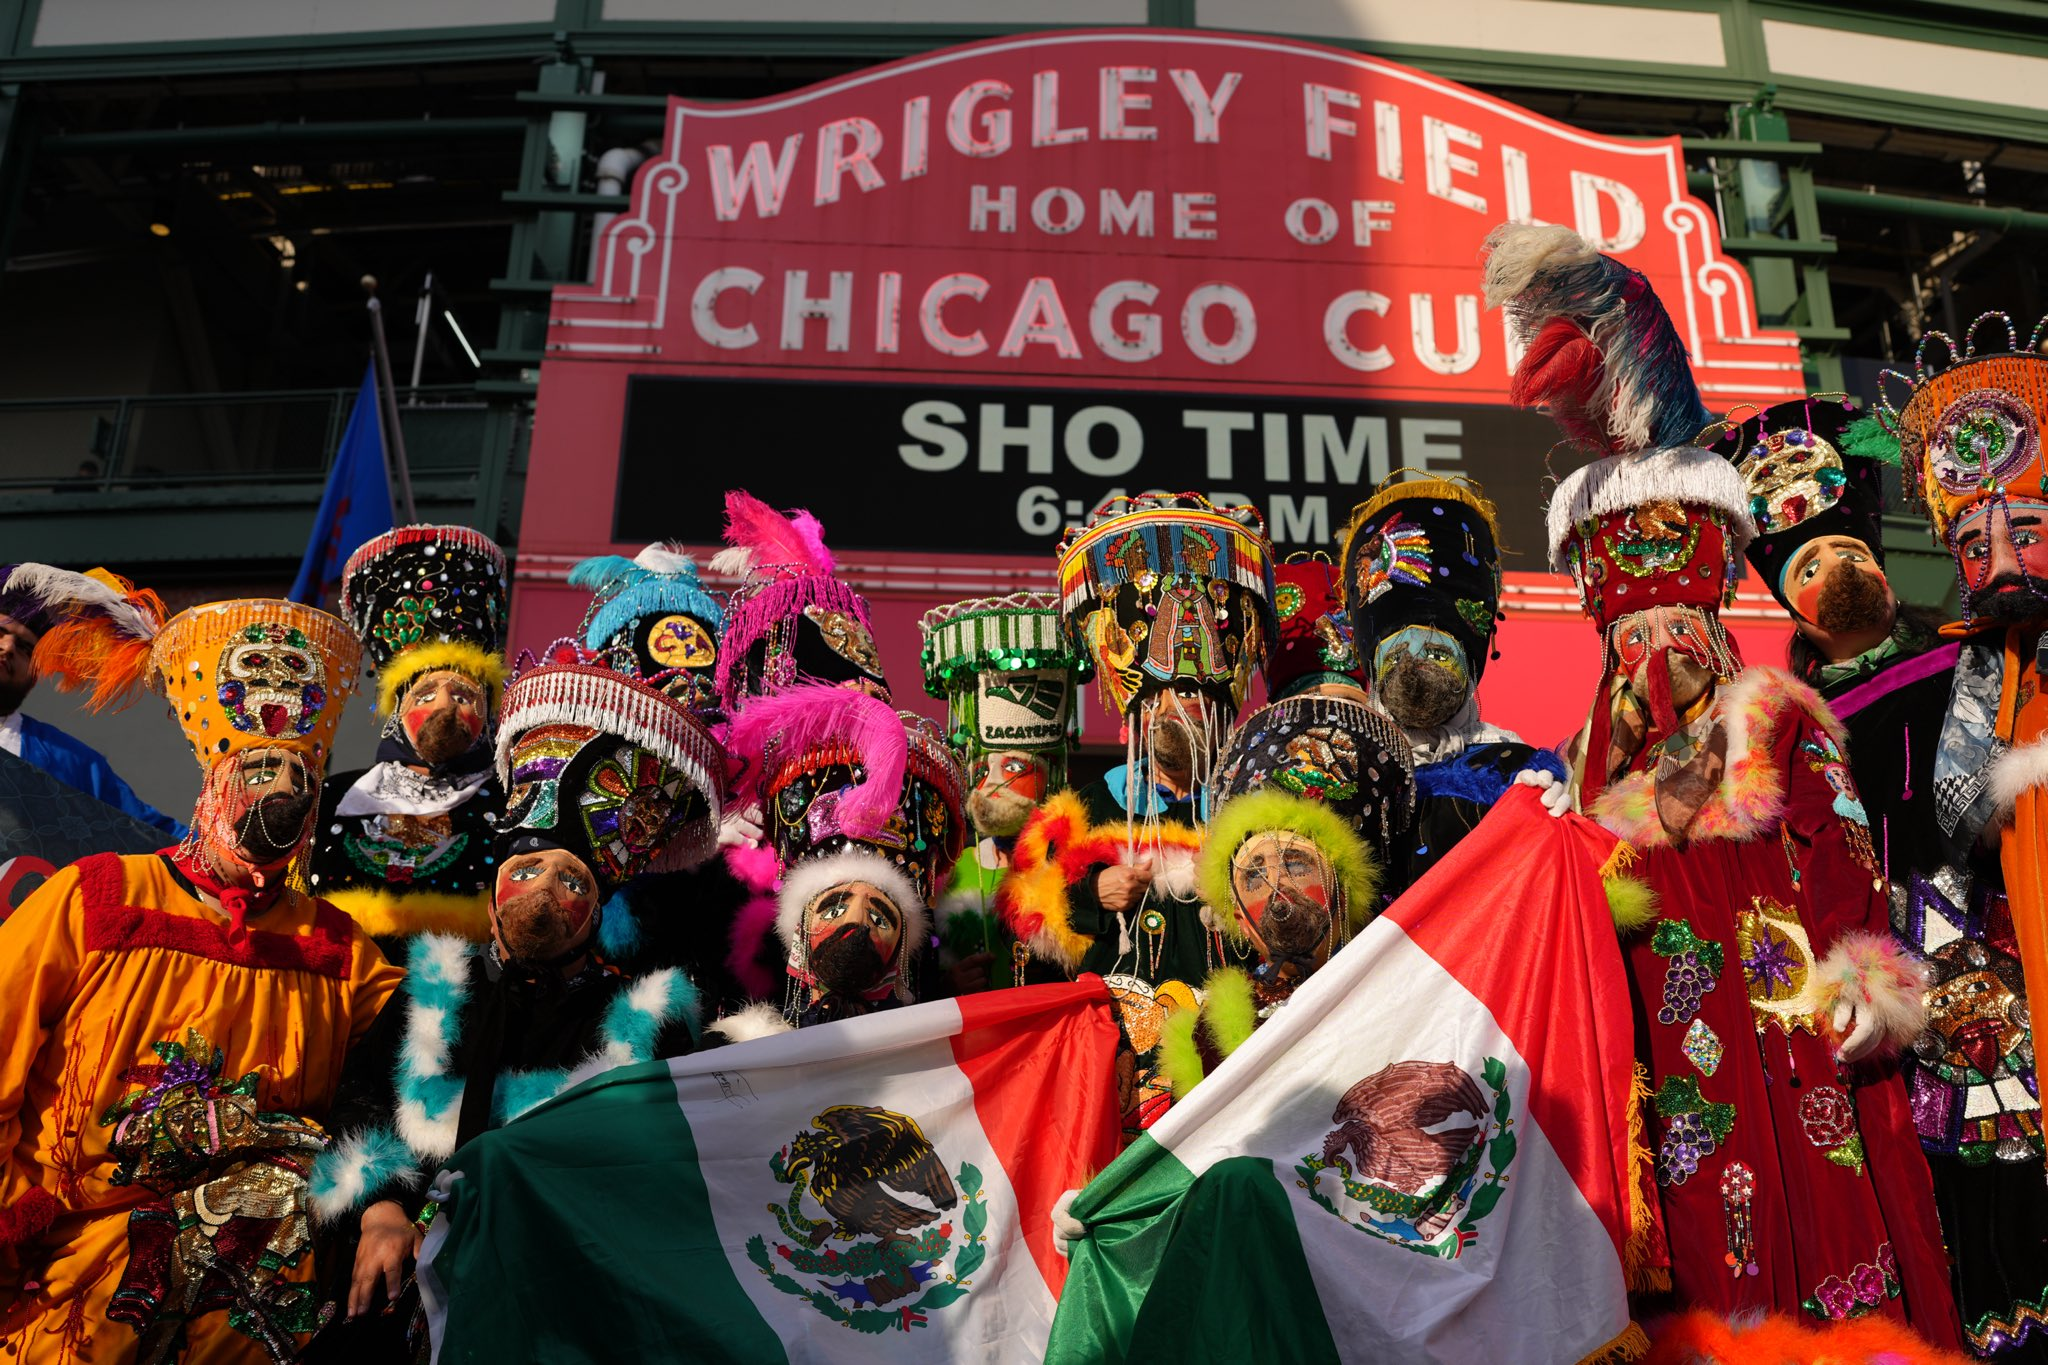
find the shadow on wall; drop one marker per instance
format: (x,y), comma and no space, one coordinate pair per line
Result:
(150,752)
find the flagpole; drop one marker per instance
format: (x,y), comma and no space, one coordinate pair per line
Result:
(387,400)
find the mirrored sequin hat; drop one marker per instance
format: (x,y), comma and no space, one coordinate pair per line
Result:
(609,768)
(1168,590)
(427,599)
(1424,552)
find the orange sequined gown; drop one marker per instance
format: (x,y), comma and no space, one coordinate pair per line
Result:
(160,1091)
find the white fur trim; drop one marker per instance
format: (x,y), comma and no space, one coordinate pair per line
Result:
(431,1136)
(758,1020)
(2016,771)
(813,877)
(1175,873)
(1680,473)
(347,1164)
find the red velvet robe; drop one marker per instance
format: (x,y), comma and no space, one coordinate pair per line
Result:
(1833,1237)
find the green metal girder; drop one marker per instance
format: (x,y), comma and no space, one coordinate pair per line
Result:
(138,139)
(1934,210)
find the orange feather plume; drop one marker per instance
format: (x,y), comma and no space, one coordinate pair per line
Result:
(103,641)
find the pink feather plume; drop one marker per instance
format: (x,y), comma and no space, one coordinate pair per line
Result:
(818,716)
(759,537)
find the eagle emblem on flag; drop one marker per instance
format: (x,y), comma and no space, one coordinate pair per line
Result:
(900,1236)
(1418,1155)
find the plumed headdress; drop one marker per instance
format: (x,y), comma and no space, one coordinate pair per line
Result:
(424,599)
(21,606)
(833,767)
(1425,552)
(1008,675)
(249,674)
(1656,520)
(650,616)
(1807,477)
(1166,589)
(791,620)
(601,764)
(1314,643)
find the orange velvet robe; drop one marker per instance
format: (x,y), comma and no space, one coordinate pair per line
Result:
(160,1088)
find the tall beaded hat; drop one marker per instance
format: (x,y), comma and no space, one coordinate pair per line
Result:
(834,768)
(1654,520)
(1969,429)
(424,599)
(1424,552)
(650,616)
(1163,590)
(1314,645)
(1809,476)
(792,620)
(258,673)
(598,762)
(1008,675)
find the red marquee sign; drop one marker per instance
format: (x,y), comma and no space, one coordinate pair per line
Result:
(952,302)
(1137,208)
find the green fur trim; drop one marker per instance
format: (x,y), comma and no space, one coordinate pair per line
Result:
(1632,903)
(1867,439)
(1256,812)
(1229,1014)
(1179,1057)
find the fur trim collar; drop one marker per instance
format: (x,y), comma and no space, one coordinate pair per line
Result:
(1754,708)
(812,877)
(2016,771)
(1681,473)
(758,1020)
(430,1094)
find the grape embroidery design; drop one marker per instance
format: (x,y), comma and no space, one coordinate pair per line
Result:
(1695,966)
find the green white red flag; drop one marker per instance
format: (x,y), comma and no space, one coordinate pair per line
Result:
(1424,1155)
(875,1189)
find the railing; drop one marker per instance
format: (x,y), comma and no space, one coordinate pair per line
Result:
(155,441)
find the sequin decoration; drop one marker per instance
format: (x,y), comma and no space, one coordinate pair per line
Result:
(1694,1129)
(1825,757)
(1793,475)
(1695,966)
(843,634)
(1777,966)
(1981,440)
(1828,1117)
(1657,538)
(1863,1289)
(1287,600)
(231,1215)
(630,804)
(1738,1192)
(1397,553)
(1702,1047)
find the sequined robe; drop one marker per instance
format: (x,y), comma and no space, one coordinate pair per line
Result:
(160,1091)
(1771,870)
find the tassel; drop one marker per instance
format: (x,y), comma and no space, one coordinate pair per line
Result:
(1638,1274)
(1632,1344)
(1620,860)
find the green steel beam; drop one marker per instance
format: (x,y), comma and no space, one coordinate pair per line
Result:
(141,139)
(1932,210)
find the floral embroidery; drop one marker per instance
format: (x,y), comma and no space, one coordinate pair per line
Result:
(1866,1287)
(1695,964)
(1695,1128)
(1829,1119)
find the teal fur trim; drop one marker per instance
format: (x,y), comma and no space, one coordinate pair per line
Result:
(357,1169)
(437,979)
(1229,1014)
(1256,812)
(1867,439)
(618,928)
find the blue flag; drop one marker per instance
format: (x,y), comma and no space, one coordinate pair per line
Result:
(357,503)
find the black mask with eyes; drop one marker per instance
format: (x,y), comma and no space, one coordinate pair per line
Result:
(846,961)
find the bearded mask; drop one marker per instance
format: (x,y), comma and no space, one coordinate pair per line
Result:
(852,925)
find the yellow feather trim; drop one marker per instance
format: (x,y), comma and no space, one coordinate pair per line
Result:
(439,656)
(1632,903)
(1035,888)
(382,913)
(1632,1344)
(1636,1271)
(1180,1057)
(1231,1012)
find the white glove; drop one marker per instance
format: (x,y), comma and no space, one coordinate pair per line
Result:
(740,827)
(1066,1229)
(1857,1030)
(1556,796)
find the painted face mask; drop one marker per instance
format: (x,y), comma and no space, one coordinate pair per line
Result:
(1007,786)
(1422,677)
(853,932)
(2003,550)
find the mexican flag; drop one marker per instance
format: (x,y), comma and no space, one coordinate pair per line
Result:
(1422,1156)
(874,1189)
